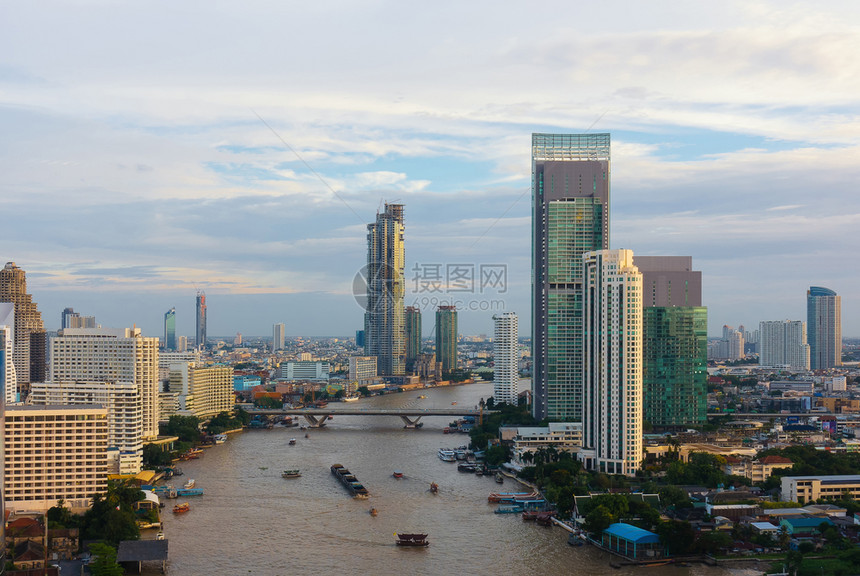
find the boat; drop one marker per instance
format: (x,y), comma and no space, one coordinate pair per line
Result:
(350,398)
(422,397)
(509,509)
(180,508)
(189,484)
(434,488)
(499,496)
(574,539)
(292,441)
(463,467)
(545,518)
(188,492)
(159,536)
(499,478)
(307,436)
(373,512)
(290,474)
(349,481)
(220,438)
(416,540)
(447,455)
(398,474)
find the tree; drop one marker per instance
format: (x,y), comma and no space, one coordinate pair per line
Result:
(105,561)
(187,428)
(677,537)
(598,519)
(153,455)
(712,542)
(364,390)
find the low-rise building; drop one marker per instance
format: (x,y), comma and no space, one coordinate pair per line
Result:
(561,436)
(808,488)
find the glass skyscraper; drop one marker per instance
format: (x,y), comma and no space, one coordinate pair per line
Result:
(570,202)
(384,317)
(824,327)
(201,321)
(413,335)
(446,337)
(170,329)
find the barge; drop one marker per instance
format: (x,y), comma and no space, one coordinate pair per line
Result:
(349,481)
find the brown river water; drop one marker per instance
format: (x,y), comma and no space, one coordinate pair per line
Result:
(252,521)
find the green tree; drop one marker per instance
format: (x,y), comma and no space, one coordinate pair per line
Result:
(105,561)
(187,428)
(153,455)
(111,517)
(273,403)
(598,519)
(712,542)
(677,537)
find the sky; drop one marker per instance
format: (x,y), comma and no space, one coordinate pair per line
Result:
(152,149)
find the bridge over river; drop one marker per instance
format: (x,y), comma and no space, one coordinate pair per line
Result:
(317,417)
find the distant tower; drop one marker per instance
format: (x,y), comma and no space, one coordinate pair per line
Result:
(66,321)
(783,343)
(28,322)
(824,327)
(359,338)
(612,362)
(446,337)
(7,349)
(181,343)
(506,374)
(201,320)
(278,331)
(413,335)
(384,330)
(570,200)
(170,329)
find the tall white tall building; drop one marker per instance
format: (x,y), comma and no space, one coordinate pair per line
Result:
(506,374)
(202,391)
(278,336)
(783,343)
(124,415)
(7,351)
(612,362)
(110,355)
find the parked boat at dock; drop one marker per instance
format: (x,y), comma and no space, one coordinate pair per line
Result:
(220,438)
(447,455)
(349,481)
(499,496)
(189,484)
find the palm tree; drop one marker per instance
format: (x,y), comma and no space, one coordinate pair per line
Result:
(527,457)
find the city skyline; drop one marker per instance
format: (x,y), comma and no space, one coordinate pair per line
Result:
(727,121)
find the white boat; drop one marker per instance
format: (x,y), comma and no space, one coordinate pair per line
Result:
(220,438)
(350,398)
(189,484)
(447,455)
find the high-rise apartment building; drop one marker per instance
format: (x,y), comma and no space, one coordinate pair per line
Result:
(124,415)
(28,320)
(181,343)
(824,327)
(72,319)
(7,350)
(170,330)
(506,356)
(278,336)
(413,335)
(446,337)
(570,199)
(362,369)
(783,344)
(675,342)
(384,318)
(201,321)
(612,359)
(203,391)
(108,355)
(71,443)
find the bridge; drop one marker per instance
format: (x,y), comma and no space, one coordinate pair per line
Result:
(317,417)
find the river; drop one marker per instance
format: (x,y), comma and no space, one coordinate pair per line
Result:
(252,521)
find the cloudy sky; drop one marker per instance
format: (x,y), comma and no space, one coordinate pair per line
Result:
(150,149)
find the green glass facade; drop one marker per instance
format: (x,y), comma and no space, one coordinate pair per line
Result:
(675,361)
(446,337)
(413,335)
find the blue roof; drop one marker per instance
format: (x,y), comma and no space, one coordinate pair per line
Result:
(807,522)
(632,533)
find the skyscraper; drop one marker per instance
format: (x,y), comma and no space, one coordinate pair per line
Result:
(28,320)
(384,318)
(446,337)
(278,332)
(570,199)
(8,380)
(783,343)
(413,335)
(506,374)
(675,346)
(170,330)
(612,318)
(201,321)
(824,327)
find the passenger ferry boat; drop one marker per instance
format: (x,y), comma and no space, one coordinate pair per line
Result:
(180,508)
(447,455)
(418,540)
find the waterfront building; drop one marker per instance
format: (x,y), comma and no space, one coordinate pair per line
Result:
(561,436)
(168,359)
(570,199)
(305,370)
(675,342)
(384,318)
(110,355)
(203,391)
(783,344)
(6,351)
(824,327)
(362,369)
(30,338)
(612,362)
(72,445)
(805,489)
(200,334)
(446,337)
(413,335)
(506,373)
(278,336)
(170,330)
(124,415)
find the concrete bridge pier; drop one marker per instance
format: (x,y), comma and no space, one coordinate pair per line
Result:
(412,422)
(314,421)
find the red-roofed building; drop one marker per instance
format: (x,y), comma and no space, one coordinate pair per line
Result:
(756,470)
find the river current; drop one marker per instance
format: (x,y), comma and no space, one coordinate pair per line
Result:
(253,521)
